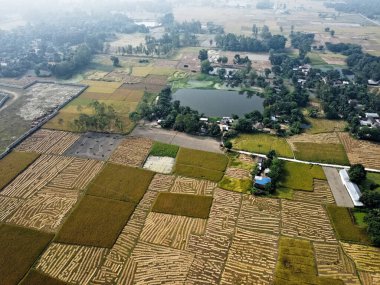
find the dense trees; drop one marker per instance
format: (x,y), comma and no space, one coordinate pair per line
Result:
(369,8)
(373,221)
(357,173)
(303,42)
(343,48)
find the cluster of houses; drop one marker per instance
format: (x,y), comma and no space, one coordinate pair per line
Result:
(371,120)
(262,180)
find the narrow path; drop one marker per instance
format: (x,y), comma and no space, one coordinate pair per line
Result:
(342,198)
(305,162)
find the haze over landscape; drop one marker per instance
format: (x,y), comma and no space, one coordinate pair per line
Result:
(190,142)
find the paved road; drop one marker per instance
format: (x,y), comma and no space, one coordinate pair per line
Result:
(177,138)
(342,198)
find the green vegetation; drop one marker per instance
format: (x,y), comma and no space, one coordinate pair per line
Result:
(96,222)
(325,126)
(284,193)
(201,164)
(299,176)
(359,218)
(316,59)
(321,152)
(35,277)
(344,226)
(13,164)
(357,173)
(19,249)
(262,143)
(296,264)
(163,149)
(237,163)
(193,206)
(237,185)
(123,183)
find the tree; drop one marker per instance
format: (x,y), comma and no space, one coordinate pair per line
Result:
(357,173)
(228,145)
(214,130)
(332,33)
(327,29)
(373,221)
(206,67)
(267,72)
(115,61)
(203,54)
(371,199)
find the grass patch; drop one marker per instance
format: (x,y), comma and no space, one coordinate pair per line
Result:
(359,218)
(325,126)
(201,164)
(321,152)
(19,249)
(284,193)
(193,206)
(344,226)
(262,143)
(296,264)
(35,277)
(299,176)
(316,59)
(121,183)
(13,164)
(96,222)
(163,149)
(237,185)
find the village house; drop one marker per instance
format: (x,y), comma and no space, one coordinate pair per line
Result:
(371,120)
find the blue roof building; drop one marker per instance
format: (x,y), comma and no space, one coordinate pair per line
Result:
(261,182)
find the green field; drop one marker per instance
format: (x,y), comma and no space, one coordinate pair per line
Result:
(121,183)
(193,206)
(19,249)
(13,164)
(237,163)
(296,264)
(35,277)
(262,143)
(237,185)
(321,152)
(163,149)
(344,226)
(300,176)
(284,193)
(325,126)
(201,164)
(96,222)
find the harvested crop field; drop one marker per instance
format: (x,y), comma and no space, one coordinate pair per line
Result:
(325,126)
(360,151)
(48,142)
(121,183)
(192,206)
(89,224)
(19,248)
(35,277)
(13,164)
(321,193)
(142,86)
(184,185)
(132,151)
(101,86)
(366,258)
(262,143)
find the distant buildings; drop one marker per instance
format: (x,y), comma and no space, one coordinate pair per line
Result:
(371,120)
(373,82)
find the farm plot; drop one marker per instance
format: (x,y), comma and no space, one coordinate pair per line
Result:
(301,176)
(101,86)
(48,142)
(121,183)
(163,149)
(360,151)
(333,262)
(325,126)
(241,161)
(260,214)
(192,206)
(160,265)
(317,138)
(321,195)
(262,143)
(36,176)
(369,278)
(13,164)
(238,173)
(19,248)
(118,267)
(95,145)
(366,258)
(90,225)
(201,164)
(251,259)
(45,210)
(71,263)
(184,185)
(308,221)
(122,76)
(160,164)
(130,96)
(35,277)
(132,151)
(171,231)
(211,249)
(162,183)
(145,87)
(8,206)
(321,152)
(42,97)
(188,60)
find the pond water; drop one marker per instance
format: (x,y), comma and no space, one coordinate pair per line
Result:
(219,103)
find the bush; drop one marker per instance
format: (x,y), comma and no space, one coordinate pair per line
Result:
(357,173)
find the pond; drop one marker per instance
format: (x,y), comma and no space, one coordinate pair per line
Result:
(219,103)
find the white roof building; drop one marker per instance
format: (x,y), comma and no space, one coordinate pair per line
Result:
(352,188)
